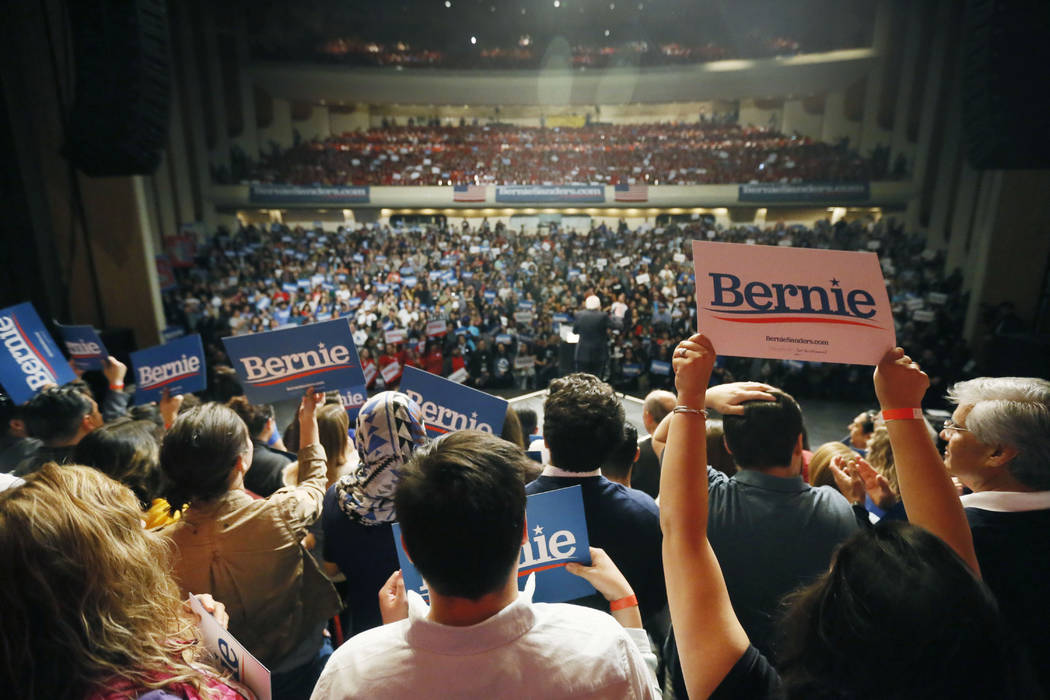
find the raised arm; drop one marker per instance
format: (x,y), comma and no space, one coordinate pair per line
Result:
(724,398)
(926,488)
(301,505)
(709,636)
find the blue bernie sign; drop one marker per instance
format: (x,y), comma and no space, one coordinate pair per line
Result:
(353,399)
(84,346)
(281,364)
(29,358)
(660,367)
(448,406)
(177,366)
(557,534)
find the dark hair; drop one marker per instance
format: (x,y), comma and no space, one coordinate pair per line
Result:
(893,586)
(55,414)
(199,452)
(620,459)
(868,424)
(10,411)
(512,431)
(148,412)
(225,384)
(582,421)
(125,450)
(766,435)
(528,419)
(717,454)
(255,416)
(461,508)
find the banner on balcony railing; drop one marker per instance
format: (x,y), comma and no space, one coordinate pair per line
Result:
(276,194)
(805,192)
(550,193)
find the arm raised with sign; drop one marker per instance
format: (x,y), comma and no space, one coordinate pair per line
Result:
(709,636)
(301,505)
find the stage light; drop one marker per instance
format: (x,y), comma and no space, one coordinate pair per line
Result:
(606,32)
(557,3)
(473,40)
(448,3)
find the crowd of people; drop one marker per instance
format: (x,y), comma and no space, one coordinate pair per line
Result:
(742,581)
(524,55)
(422,153)
(506,296)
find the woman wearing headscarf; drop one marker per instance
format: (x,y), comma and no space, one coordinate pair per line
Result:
(359,508)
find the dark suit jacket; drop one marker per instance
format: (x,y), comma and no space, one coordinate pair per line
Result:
(592,327)
(646,473)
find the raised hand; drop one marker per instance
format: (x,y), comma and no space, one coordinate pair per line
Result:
(899,382)
(693,361)
(726,398)
(115,371)
(847,479)
(169,407)
(875,484)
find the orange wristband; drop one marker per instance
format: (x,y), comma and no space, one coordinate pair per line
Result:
(628,602)
(902,414)
(117,386)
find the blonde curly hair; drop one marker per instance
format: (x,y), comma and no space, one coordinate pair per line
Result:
(88,598)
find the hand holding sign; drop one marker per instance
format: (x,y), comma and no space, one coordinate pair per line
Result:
(793,303)
(212,606)
(115,371)
(693,361)
(899,382)
(308,433)
(393,601)
(608,580)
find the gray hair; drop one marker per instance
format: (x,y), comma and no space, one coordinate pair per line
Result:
(1013,411)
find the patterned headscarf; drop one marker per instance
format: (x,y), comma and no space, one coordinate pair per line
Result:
(389,427)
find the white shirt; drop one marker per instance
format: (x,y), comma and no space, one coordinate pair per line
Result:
(1007,501)
(526,650)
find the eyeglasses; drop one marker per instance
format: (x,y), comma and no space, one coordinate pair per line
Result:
(951,425)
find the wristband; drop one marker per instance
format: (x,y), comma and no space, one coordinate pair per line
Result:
(117,386)
(621,603)
(902,414)
(695,411)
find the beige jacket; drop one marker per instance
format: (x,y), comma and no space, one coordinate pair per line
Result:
(247,554)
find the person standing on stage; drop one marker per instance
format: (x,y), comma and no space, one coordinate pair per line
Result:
(592,350)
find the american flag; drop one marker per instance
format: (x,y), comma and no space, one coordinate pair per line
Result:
(632,193)
(468,193)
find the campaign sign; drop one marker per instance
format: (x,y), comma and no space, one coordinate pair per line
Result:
(29,358)
(793,303)
(84,346)
(390,372)
(448,406)
(395,335)
(246,669)
(660,367)
(353,399)
(435,328)
(281,364)
(177,366)
(557,534)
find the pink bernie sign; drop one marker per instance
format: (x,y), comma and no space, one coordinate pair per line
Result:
(792,303)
